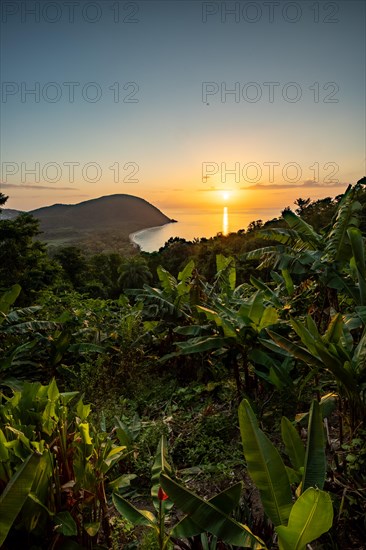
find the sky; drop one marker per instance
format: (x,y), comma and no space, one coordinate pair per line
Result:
(186,104)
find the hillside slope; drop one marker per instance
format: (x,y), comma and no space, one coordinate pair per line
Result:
(8,214)
(98,224)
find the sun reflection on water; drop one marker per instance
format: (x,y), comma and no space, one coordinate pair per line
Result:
(225,221)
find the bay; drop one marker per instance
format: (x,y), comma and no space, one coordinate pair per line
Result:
(195,224)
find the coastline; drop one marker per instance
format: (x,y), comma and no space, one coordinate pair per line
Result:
(132,236)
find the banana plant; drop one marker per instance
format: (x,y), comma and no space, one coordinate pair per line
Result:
(232,331)
(68,480)
(211,515)
(15,361)
(201,516)
(225,278)
(301,247)
(173,300)
(159,498)
(34,348)
(329,258)
(299,523)
(333,352)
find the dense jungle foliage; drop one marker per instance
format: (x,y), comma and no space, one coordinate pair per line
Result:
(211,395)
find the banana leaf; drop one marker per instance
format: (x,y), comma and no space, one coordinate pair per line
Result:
(311,516)
(208,517)
(201,344)
(315,461)
(358,250)
(305,231)
(225,501)
(265,467)
(8,298)
(135,516)
(294,446)
(15,493)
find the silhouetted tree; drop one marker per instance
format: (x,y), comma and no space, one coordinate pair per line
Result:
(3,199)
(75,266)
(23,259)
(134,273)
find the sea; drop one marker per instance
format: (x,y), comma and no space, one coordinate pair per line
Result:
(195,224)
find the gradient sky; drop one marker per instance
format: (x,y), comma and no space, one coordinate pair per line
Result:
(172,134)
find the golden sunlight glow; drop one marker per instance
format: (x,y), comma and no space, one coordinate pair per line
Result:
(225,221)
(226,195)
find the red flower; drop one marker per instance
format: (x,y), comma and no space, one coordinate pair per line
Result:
(162,494)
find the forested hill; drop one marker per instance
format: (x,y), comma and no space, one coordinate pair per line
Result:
(97,224)
(109,212)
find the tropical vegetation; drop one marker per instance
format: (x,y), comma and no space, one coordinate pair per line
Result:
(211,395)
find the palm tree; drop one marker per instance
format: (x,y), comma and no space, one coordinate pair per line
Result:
(134,273)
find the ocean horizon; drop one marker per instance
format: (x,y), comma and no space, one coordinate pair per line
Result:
(200,224)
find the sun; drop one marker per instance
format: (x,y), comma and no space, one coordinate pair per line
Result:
(226,195)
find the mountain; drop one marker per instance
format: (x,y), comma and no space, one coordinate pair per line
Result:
(8,213)
(111,211)
(98,224)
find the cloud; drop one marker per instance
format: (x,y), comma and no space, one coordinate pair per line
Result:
(307,184)
(31,187)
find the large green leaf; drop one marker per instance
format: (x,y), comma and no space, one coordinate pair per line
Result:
(270,255)
(335,330)
(49,416)
(192,330)
(85,347)
(359,356)
(8,297)
(65,524)
(168,282)
(358,251)
(225,501)
(29,327)
(186,274)
(347,216)
(135,516)
(16,492)
(4,453)
(201,344)
(208,517)
(269,317)
(293,349)
(111,457)
(311,516)
(265,467)
(288,281)
(256,307)
(226,267)
(294,446)
(267,291)
(227,327)
(32,515)
(335,365)
(315,461)
(306,334)
(305,231)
